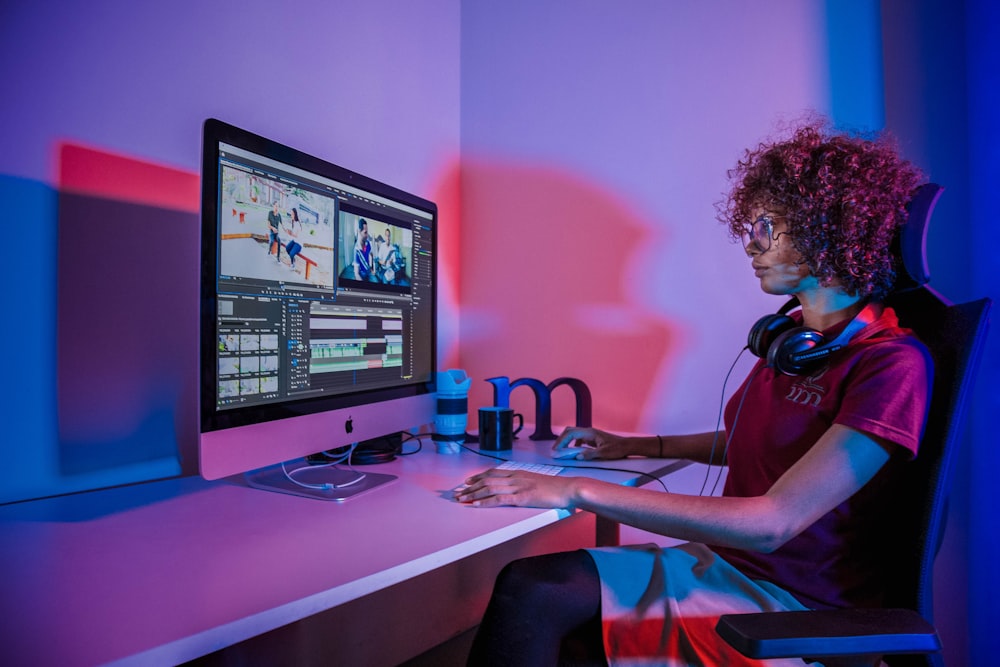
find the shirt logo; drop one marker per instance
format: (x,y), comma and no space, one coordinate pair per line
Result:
(807,392)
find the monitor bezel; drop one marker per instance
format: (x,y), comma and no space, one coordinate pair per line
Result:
(216,132)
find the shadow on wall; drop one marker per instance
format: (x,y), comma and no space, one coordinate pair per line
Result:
(552,285)
(127,312)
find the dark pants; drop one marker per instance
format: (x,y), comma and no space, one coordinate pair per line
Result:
(545,610)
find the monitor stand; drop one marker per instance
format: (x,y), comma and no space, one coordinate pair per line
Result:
(320,482)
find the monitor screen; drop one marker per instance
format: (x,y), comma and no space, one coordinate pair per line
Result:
(318,306)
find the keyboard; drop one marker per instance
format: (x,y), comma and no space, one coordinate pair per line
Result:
(540,468)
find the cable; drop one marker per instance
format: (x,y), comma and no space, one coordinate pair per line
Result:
(331,457)
(374,451)
(289,474)
(736,418)
(718,423)
(570,466)
(373,455)
(407,436)
(649,475)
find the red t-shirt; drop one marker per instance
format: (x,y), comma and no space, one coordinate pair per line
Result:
(879,384)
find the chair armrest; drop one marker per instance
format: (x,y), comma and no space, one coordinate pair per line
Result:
(828,633)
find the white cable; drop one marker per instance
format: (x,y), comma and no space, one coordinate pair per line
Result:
(289,474)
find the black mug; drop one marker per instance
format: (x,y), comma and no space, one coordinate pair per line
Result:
(496,428)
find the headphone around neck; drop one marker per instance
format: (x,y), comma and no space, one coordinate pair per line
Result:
(792,349)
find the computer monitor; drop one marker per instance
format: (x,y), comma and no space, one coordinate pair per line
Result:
(318,314)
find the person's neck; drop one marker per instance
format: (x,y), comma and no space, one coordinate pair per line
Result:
(824,307)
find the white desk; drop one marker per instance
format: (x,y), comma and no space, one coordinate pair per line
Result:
(166,572)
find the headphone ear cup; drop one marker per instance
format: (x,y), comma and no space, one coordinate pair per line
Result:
(791,342)
(765,331)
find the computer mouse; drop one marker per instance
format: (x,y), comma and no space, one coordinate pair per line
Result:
(567,453)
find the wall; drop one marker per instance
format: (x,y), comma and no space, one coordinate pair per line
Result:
(595,140)
(595,144)
(101,136)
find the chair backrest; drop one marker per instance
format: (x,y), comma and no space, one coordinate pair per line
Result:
(955,334)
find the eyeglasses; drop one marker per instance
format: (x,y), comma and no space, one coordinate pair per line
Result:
(760,233)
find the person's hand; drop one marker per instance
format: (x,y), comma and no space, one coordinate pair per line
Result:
(590,443)
(518,488)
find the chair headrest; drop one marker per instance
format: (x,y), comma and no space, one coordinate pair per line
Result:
(910,245)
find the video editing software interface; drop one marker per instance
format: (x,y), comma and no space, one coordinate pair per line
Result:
(323,288)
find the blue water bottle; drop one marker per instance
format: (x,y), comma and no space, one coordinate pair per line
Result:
(452,410)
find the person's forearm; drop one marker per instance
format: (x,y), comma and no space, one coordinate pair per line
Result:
(693,446)
(743,523)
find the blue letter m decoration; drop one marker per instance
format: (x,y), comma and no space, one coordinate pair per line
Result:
(502,387)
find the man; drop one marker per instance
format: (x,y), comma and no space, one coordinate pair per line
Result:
(273,225)
(388,255)
(362,252)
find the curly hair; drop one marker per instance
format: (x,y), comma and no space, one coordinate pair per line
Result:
(843,198)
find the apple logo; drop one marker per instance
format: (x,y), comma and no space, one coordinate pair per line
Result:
(349,425)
